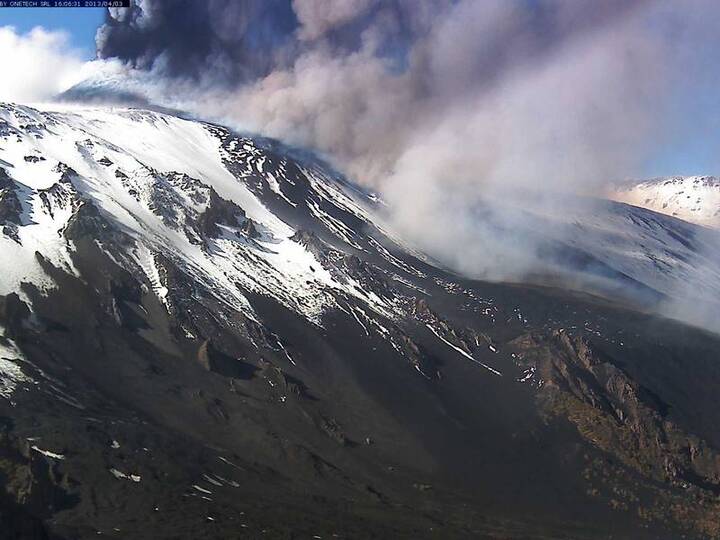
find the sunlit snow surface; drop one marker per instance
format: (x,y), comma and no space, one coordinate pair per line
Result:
(693,198)
(118,155)
(10,373)
(152,175)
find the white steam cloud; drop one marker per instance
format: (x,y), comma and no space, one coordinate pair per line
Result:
(469,116)
(490,101)
(37,65)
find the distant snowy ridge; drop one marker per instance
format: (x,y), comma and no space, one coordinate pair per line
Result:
(692,198)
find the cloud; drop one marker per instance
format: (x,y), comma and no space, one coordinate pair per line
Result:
(317,17)
(37,65)
(502,92)
(226,40)
(469,116)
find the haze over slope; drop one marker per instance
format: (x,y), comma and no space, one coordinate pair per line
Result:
(661,263)
(437,105)
(204,334)
(209,333)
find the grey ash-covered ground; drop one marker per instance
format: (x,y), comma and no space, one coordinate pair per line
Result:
(141,398)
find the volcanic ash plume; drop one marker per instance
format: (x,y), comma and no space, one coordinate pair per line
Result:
(469,116)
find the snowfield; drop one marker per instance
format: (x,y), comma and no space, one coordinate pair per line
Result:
(692,198)
(139,167)
(229,210)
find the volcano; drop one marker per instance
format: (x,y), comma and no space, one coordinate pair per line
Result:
(212,335)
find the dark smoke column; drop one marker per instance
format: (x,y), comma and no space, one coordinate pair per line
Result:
(228,41)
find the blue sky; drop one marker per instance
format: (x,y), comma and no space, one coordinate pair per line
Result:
(79,23)
(692,148)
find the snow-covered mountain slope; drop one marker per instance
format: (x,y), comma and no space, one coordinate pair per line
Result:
(243,216)
(183,189)
(634,249)
(203,333)
(692,198)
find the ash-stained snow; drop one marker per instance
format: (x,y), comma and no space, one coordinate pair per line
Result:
(337,227)
(125,476)
(10,373)
(152,174)
(146,260)
(48,453)
(275,187)
(155,177)
(464,353)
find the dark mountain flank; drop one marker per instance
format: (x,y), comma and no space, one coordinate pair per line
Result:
(207,336)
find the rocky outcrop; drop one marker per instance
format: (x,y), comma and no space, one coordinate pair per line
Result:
(13,312)
(417,355)
(345,267)
(312,242)
(465,339)
(611,410)
(88,222)
(62,195)
(10,207)
(33,487)
(213,359)
(219,211)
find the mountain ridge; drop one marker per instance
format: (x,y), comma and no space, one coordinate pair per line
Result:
(205,337)
(692,198)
